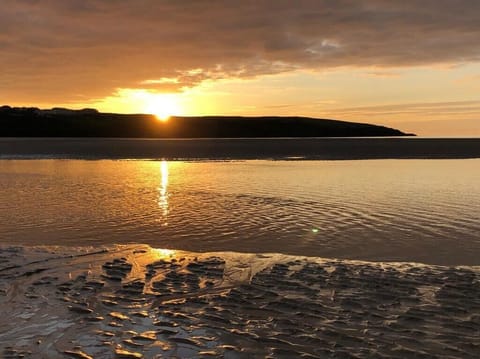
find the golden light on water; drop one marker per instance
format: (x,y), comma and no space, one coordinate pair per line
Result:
(163,253)
(163,192)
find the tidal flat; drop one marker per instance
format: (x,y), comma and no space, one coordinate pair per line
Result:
(122,258)
(135,301)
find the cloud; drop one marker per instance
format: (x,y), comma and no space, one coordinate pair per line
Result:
(401,113)
(384,74)
(442,128)
(65,49)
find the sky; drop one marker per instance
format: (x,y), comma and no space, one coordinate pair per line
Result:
(409,64)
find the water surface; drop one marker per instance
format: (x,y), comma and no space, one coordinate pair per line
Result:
(241,148)
(389,210)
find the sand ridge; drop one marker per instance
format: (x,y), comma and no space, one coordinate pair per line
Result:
(135,301)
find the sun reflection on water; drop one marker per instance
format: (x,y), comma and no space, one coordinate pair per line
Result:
(163,253)
(163,192)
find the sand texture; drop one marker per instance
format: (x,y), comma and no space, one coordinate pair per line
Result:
(138,302)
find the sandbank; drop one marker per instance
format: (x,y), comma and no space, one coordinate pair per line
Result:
(135,301)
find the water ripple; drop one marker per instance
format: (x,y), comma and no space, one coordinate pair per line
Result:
(411,210)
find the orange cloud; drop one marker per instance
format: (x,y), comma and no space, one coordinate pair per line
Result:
(61,51)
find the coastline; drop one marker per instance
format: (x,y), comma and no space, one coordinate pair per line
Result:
(120,301)
(356,148)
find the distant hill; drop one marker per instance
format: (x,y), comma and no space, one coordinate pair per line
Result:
(61,122)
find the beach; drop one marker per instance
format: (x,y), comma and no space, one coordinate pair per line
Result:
(135,301)
(243,179)
(125,258)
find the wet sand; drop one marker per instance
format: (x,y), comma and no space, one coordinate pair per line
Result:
(134,301)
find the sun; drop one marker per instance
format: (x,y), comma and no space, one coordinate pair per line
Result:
(163,106)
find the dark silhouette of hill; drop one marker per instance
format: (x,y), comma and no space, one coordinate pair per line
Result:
(59,122)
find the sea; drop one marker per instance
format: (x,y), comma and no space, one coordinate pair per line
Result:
(373,199)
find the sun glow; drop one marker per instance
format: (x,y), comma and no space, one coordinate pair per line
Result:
(162,106)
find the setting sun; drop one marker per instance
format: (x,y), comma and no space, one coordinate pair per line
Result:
(162,106)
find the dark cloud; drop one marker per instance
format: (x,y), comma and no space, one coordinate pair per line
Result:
(62,49)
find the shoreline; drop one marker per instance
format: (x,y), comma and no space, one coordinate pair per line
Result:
(241,149)
(129,300)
